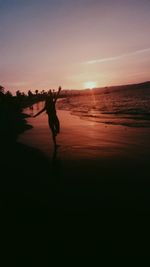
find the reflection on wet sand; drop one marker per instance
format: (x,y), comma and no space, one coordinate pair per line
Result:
(56,161)
(80,139)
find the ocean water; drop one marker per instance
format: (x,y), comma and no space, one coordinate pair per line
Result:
(128,107)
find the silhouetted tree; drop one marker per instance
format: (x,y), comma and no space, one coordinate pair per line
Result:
(43,92)
(18,93)
(2,89)
(30,94)
(36,92)
(23,94)
(8,94)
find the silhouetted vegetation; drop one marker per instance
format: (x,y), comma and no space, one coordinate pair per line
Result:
(12,120)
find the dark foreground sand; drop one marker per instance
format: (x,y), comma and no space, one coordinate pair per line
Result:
(91,196)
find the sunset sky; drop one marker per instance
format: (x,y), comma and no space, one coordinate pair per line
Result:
(73,43)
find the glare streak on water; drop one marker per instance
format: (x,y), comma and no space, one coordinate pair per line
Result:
(125,107)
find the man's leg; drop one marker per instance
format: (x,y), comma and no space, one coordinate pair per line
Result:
(57,125)
(52,127)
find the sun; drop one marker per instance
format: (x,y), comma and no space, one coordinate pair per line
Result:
(90,84)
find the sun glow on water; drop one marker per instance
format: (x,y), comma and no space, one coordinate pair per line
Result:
(90,84)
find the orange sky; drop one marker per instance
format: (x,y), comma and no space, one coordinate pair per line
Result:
(75,44)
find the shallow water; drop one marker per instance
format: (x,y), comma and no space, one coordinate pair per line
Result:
(128,107)
(85,139)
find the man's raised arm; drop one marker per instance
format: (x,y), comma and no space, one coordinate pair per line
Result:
(42,110)
(59,89)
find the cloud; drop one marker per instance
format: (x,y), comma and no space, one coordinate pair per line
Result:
(101,60)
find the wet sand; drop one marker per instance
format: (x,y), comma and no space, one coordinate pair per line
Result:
(96,187)
(82,139)
(90,150)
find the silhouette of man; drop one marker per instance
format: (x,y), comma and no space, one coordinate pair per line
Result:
(50,109)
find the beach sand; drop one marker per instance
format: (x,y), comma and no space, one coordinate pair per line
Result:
(90,149)
(95,187)
(82,139)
